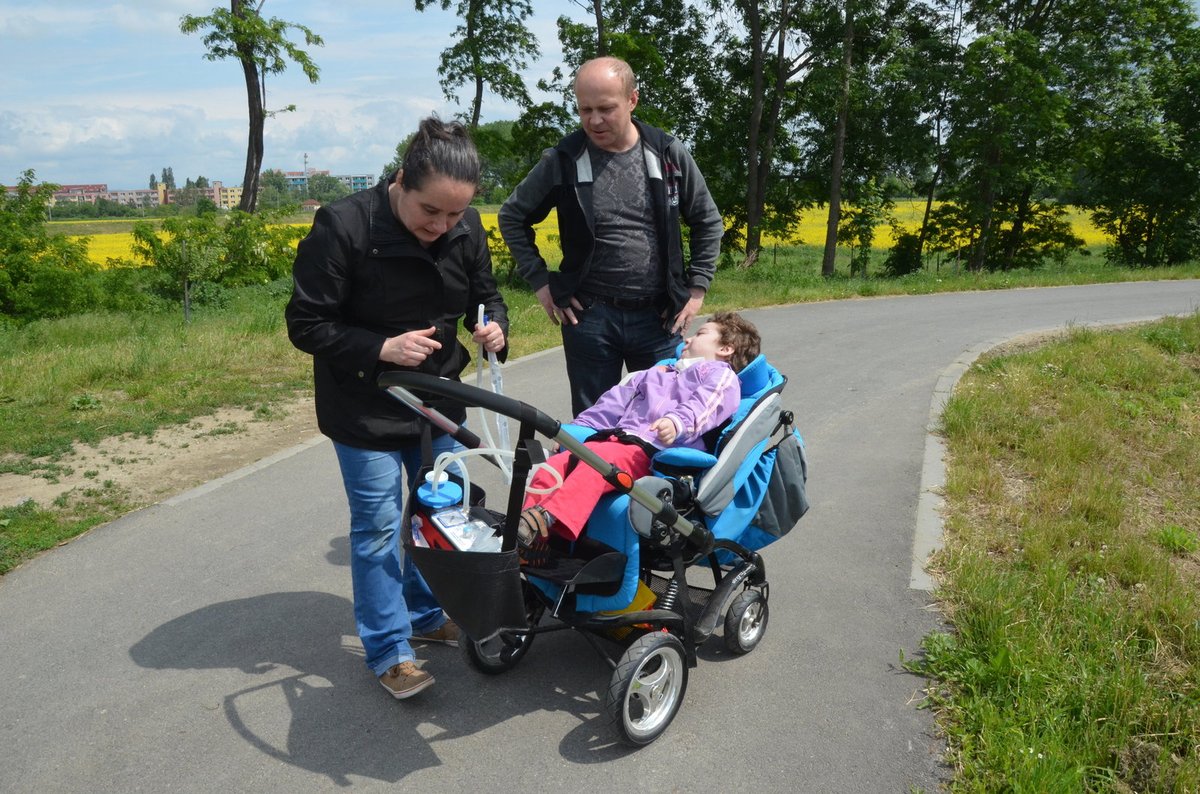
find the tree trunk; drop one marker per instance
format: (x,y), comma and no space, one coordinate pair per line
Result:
(754,204)
(763,123)
(256,107)
(598,10)
(987,201)
(923,235)
(839,149)
(980,245)
(1013,243)
(477,103)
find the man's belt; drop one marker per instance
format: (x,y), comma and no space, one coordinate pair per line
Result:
(623,302)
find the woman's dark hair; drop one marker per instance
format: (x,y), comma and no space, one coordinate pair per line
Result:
(443,148)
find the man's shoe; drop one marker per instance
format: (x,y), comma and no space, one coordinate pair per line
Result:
(447,633)
(405,680)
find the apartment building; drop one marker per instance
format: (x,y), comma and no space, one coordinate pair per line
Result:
(224,197)
(298,180)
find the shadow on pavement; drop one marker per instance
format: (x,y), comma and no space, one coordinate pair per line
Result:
(312,704)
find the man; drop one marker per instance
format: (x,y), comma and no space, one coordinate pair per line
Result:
(623,293)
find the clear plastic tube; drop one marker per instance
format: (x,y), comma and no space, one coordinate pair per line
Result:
(501,421)
(447,458)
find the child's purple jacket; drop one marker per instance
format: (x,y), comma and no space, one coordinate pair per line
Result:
(697,395)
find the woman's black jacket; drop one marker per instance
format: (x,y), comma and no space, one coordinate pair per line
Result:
(361,277)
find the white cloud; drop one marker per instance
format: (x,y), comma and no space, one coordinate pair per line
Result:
(117,92)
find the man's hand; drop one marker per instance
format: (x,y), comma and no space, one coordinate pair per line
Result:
(688,312)
(558,315)
(411,348)
(666,430)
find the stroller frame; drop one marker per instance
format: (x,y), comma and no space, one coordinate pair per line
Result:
(501,605)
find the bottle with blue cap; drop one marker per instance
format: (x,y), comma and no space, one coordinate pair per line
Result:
(439,494)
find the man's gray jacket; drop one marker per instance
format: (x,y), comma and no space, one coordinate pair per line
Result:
(562,180)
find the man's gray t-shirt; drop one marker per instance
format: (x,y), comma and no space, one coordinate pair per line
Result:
(625,261)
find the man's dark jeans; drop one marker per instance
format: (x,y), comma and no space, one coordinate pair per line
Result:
(607,338)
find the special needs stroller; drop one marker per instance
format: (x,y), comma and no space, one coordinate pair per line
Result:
(625,583)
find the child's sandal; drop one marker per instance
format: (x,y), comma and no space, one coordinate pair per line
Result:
(532,533)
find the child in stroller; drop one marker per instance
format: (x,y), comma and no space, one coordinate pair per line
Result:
(667,405)
(628,578)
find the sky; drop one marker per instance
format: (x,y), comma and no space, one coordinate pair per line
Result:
(95,91)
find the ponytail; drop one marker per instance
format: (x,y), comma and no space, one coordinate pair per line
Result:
(440,148)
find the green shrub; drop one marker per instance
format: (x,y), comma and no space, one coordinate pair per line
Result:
(1177,540)
(905,256)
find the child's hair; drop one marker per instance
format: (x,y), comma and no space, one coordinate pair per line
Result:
(443,148)
(740,334)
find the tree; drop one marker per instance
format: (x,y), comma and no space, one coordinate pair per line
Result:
(839,148)
(1142,178)
(762,51)
(491,47)
(262,47)
(325,188)
(168,178)
(867,109)
(258,248)
(1032,95)
(41,274)
(186,249)
(663,41)
(275,192)
(153,182)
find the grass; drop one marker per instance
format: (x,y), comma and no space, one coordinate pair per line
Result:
(1070,570)
(81,379)
(84,378)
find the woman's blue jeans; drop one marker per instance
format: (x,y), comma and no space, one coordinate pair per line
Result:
(391,600)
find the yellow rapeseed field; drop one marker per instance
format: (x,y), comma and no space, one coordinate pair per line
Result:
(810,231)
(118,245)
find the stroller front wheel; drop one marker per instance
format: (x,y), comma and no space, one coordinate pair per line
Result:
(647,687)
(495,655)
(500,653)
(746,621)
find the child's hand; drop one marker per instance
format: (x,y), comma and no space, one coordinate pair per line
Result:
(666,430)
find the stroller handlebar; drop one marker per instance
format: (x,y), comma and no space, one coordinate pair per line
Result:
(469,396)
(401,384)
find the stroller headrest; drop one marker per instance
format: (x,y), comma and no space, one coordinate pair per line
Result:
(755,376)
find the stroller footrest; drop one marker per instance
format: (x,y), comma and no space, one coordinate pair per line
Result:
(604,569)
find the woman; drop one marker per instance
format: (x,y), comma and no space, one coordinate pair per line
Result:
(380,283)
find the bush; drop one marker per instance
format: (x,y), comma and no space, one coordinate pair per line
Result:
(905,256)
(52,291)
(258,248)
(40,275)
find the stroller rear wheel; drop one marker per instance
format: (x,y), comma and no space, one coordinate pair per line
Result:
(746,621)
(647,687)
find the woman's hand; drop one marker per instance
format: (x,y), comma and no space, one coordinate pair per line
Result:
(490,336)
(411,348)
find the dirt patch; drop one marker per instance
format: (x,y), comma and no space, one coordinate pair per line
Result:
(173,460)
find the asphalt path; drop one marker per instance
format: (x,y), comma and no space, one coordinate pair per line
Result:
(207,643)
